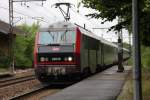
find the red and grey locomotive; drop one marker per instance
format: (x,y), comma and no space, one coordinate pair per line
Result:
(65,51)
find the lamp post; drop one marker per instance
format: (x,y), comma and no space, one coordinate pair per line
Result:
(120,53)
(136,51)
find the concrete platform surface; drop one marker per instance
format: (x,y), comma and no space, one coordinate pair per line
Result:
(103,86)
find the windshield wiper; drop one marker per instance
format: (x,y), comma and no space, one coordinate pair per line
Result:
(67,43)
(42,44)
(51,35)
(63,36)
(54,44)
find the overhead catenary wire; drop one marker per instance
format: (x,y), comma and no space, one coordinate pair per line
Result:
(33,10)
(31,17)
(48,13)
(71,9)
(51,12)
(43,7)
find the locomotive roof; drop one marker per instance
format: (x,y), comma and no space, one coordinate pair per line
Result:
(59,26)
(70,26)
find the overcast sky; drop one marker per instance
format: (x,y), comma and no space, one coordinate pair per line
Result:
(51,14)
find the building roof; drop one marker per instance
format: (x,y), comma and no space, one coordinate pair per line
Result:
(4,28)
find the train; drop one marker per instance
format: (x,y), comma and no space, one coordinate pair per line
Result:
(65,51)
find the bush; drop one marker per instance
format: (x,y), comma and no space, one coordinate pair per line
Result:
(145,57)
(4,60)
(24,46)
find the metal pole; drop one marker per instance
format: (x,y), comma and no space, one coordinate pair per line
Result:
(130,45)
(136,51)
(120,50)
(11,37)
(120,53)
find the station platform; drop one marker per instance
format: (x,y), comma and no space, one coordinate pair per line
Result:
(5,74)
(103,86)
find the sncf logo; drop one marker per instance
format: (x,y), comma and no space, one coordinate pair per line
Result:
(55,48)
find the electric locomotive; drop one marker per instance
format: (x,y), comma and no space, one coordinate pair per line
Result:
(66,51)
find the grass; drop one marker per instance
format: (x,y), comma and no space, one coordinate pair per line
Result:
(3,70)
(127,92)
(146,84)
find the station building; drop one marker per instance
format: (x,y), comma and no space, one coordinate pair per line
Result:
(4,37)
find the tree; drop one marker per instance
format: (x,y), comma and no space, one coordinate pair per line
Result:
(24,46)
(108,10)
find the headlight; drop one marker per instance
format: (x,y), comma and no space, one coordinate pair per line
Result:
(69,58)
(42,59)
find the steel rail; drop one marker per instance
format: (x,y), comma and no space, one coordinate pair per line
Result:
(11,81)
(34,90)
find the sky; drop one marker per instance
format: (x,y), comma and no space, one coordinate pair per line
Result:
(27,13)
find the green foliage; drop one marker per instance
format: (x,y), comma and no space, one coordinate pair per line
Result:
(4,60)
(145,57)
(108,10)
(24,46)
(126,45)
(127,92)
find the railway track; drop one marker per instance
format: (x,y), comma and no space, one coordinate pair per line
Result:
(36,89)
(33,90)
(39,89)
(13,80)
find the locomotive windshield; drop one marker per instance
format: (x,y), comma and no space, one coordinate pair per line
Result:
(57,37)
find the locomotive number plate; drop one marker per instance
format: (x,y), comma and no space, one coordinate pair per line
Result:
(56,70)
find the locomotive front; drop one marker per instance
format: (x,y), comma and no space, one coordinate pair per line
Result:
(56,53)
